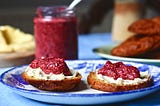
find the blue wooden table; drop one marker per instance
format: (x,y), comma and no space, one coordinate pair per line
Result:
(86,45)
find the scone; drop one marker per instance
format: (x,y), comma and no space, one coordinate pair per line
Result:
(51,74)
(114,77)
(145,41)
(145,27)
(136,45)
(156,19)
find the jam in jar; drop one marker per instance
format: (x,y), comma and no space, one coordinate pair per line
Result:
(55,29)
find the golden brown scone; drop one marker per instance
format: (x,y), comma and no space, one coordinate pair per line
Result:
(156,42)
(155,54)
(102,85)
(145,26)
(156,20)
(53,85)
(51,74)
(134,46)
(144,43)
(137,45)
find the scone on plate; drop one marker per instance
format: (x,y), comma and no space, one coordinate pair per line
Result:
(114,77)
(51,74)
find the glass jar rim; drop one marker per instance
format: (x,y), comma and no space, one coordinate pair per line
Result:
(53,10)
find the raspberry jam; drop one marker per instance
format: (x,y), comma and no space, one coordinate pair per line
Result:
(119,70)
(55,31)
(51,65)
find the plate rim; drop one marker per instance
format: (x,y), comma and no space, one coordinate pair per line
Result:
(68,94)
(109,56)
(17,55)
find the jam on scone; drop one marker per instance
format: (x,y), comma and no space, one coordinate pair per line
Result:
(119,70)
(114,77)
(51,65)
(52,74)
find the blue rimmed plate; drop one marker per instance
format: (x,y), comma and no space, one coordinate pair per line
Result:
(82,94)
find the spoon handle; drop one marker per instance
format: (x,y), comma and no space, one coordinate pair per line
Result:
(73,4)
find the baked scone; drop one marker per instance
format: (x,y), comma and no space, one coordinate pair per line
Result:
(145,26)
(51,74)
(156,20)
(114,77)
(136,45)
(144,44)
(155,54)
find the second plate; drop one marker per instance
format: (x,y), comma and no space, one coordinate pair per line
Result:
(104,52)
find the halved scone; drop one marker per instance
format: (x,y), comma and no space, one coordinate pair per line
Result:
(51,74)
(102,85)
(102,82)
(53,85)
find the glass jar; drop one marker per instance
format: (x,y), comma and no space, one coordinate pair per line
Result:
(55,30)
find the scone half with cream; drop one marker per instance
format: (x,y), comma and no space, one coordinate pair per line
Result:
(115,77)
(51,74)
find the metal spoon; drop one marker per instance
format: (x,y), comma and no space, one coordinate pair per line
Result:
(73,4)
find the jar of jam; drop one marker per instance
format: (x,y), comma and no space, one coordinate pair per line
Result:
(55,29)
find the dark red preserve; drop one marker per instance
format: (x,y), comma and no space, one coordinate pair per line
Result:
(119,70)
(51,65)
(55,31)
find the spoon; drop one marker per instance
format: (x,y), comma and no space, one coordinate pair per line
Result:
(73,4)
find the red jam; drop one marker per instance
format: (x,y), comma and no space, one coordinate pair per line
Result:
(51,65)
(119,70)
(56,33)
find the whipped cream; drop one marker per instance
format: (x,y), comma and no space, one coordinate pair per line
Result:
(39,74)
(120,81)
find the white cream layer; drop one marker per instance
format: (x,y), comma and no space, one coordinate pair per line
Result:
(39,74)
(120,81)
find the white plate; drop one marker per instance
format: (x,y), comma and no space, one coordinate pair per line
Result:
(82,94)
(104,51)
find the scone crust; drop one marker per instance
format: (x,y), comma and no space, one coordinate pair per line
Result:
(98,84)
(53,85)
(145,26)
(137,45)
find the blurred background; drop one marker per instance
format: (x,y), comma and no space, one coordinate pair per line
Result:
(20,13)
